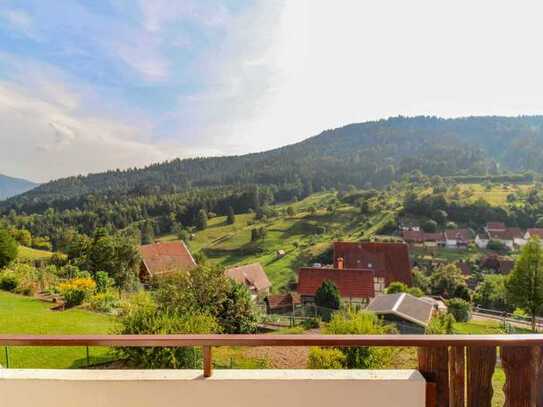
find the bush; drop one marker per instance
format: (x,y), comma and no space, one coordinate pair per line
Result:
(442,324)
(327,295)
(460,309)
(323,358)
(311,323)
(141,316)
(76,291)
(8,281)
(103,282)
(105,302)
(361,323)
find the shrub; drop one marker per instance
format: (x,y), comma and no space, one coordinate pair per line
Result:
(459,308)
(8,281)
(361,323)
(141,316)
(76,291)
(396,287)
(103,282)
(105,302)
(323,358)
(311,323)
(441,324)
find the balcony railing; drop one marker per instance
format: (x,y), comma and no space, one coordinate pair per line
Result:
(458,368)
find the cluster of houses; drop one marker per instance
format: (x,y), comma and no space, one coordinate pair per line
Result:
(511,237)
(360,271)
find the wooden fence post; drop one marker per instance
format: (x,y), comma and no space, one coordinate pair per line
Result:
(434,366)
(457,369)
(522,367)
(208,362)
(481,362)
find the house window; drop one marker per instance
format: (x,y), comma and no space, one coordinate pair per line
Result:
(379,285)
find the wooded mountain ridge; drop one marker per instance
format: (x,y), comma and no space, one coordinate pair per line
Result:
(370,154)
(10,186)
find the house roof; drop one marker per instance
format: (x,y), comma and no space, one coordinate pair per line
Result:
(535,232)
(167,257)
(389,260)
(277,301)
(351,283)
(459,234)
(507,234)
(419,236)
(404,306)
(499,264)
(495,226)
(252,275)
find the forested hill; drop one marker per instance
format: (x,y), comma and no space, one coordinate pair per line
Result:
(364,154)
(10,186)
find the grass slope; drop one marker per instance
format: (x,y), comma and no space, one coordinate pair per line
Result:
(25,315)
(29,254)
(300,236)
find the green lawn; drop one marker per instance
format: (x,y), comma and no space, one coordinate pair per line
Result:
(25,315)
(28,254)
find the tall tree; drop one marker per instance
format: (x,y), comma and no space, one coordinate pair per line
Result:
(327,295)
(201,219)
(8,248)
(230,216)
(525,284)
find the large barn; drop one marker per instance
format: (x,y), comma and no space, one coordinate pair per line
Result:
(160,259)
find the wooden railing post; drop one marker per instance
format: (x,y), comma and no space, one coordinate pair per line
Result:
(481,362)
(434,366)
(457,369)
(522,367)
(208,361)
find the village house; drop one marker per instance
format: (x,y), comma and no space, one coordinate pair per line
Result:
(533,232)
(282,303)
(360,270)
(512,237)
(253,277)
(498,264)
(457,238)
(410,315)
(159,259)
(482,239)
(419,237)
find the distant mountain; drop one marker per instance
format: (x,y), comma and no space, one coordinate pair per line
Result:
(370,154)
(10,186)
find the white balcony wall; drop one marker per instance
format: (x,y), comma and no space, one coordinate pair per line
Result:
(226,388)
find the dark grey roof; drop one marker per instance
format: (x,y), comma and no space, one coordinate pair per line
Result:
(404,306)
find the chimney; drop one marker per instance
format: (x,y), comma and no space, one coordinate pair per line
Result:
(340,263)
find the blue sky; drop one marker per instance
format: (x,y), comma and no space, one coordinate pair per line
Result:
(91,85)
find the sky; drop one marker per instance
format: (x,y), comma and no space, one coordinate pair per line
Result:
(87,85)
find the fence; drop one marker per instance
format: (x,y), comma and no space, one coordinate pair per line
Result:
(458,368)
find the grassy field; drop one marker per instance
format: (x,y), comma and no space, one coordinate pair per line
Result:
(29,254)
(24,315)
(495,195)
(301,235)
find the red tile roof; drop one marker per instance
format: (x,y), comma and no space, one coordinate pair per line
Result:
(507,234)
(278,301)
(252,275)
(495,226)
(418,236)
(163,258)
(464,267)
(350,282)
(388,260)
(536,232)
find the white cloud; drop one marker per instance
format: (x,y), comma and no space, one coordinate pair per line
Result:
(333,63)
(42,139)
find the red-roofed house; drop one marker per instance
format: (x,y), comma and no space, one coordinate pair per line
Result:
(355,285)
(253,277)
(164,258)
(389,261)
(537,232)
(495,227)
(360,270)
(458,237)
